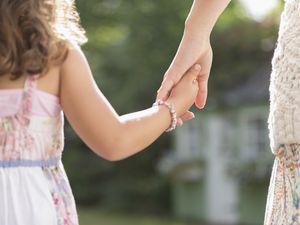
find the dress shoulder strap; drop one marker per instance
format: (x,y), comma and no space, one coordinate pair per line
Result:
(28,92)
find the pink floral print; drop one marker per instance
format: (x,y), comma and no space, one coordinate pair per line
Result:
(18,142)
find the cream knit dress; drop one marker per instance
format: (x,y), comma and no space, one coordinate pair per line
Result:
(283,204)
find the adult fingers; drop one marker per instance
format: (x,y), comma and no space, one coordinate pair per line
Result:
(165,89)
(169,82)
(201,98)
(206,63)
(193,73)
(171,78)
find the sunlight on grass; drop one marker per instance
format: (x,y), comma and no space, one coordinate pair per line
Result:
(94,216)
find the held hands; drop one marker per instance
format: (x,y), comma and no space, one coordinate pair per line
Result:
(193,49)
(185,91)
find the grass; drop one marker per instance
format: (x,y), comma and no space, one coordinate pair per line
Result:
(94,216)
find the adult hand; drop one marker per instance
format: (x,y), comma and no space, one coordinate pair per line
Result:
(192,49)
(195,48)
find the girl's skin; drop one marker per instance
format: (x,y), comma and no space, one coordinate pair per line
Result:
(109,135)
(194,48)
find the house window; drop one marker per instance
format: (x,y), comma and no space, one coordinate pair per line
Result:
(193,136)
(187,142)
(260,135)
(256,138)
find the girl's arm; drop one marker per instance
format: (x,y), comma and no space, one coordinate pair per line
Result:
(100,127)
(195,47)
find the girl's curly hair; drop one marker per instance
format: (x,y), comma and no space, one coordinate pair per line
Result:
(36,34)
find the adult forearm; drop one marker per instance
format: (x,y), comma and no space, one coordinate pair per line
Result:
(204,15)
(195,47)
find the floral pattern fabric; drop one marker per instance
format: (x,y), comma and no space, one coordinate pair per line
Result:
(283,204)
(31,140)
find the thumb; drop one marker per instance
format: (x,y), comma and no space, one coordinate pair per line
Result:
(202,92)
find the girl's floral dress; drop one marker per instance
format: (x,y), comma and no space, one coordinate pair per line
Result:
(34,189)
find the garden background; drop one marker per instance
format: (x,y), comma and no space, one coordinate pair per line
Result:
(131,44)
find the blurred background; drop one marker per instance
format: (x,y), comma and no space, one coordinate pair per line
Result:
(213,170)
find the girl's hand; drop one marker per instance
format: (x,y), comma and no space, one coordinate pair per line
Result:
(193,49)
(184,93)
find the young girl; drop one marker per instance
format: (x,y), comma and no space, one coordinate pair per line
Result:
(43,73)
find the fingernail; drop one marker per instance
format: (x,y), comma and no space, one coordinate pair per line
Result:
(197,67)
(200,106)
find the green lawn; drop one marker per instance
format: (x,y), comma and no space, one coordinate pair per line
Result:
(95,216)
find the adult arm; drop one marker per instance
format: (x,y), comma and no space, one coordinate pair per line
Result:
(195,48)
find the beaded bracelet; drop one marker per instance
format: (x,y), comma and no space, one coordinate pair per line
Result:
(172,112)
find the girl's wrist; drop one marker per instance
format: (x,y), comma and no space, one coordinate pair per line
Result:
(176,104)
(172,112)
